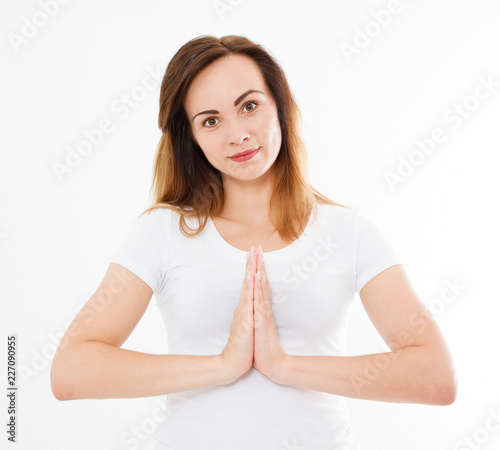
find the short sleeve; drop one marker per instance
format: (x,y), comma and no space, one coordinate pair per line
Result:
(143,250)
(374,252)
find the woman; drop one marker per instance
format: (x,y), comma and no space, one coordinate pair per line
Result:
(256,345)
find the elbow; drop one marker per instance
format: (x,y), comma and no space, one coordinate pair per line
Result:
(58,381)
(446,391)
(441,379)
(58,393)
(437,381)
(57,387)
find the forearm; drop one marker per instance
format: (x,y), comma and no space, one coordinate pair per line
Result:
(406,375)
(98,370)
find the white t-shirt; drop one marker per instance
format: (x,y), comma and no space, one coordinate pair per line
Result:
(197,284)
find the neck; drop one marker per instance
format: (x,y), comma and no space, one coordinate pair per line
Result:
(247,201)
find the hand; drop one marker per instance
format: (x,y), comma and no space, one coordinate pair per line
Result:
(268,353)
(238,353)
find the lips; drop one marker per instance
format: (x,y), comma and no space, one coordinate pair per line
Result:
(244,152)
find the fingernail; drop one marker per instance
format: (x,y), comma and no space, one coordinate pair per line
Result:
(260,249)
(248,256)
(258,275)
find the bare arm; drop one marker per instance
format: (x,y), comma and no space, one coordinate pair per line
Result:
(89,362)
(99,370)
(419,369)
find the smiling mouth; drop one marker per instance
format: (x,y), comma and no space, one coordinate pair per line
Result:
(244,152)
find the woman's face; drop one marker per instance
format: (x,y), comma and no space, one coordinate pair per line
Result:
(226,119)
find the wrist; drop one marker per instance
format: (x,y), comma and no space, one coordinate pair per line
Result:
(280,369)
(228,373)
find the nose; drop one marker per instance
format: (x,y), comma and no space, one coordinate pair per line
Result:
(237,133)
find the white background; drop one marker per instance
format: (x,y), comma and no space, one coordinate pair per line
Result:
(361,114)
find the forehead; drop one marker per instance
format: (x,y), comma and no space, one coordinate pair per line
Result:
(221,82)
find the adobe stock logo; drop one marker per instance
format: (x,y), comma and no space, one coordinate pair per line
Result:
(481,435)
(454,117)
(363,38)
(94,136)
(293,277)
(224,6)
(30,28)
(418,322)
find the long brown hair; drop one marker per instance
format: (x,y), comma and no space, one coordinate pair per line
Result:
(183,178)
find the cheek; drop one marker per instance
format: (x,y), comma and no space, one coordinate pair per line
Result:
(208,144)
(269,131)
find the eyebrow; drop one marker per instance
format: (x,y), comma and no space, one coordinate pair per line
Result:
(236,102)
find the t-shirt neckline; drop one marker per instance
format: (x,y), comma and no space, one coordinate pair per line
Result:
(274,255)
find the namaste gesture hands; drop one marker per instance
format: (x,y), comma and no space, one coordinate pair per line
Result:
(253,338)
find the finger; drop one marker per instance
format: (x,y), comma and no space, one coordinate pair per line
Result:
(255,260)
(258,306)
(262,269)
(248,307)
(263,277)
(258,297)
(249,296)
(244,284)
(249,285)
(247,266)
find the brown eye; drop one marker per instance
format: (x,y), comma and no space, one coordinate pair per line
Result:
(250,103)
(206,120)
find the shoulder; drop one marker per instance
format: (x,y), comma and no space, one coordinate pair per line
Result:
(168,217)
(154,220)
(336,213)
(159,214)
(349,222)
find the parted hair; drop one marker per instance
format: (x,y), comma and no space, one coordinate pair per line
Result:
(183,178)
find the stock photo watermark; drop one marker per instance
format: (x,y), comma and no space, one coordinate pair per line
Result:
(371,30)
(12,387)
(94,136)
(449,294)
(222,7)
(482,434)
(293,445)
(453,118)
(308,435)
(136,435)
(42,358)
(294,277)
(30,27)
(418,320)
